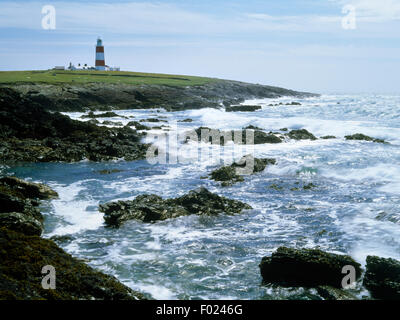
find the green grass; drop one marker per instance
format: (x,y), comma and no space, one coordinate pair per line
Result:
(91,76)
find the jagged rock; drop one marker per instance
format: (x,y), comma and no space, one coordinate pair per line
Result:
(261,137)
(362,137)
(93,121)
(108,114)
(149,208)
(328,137)
(242,108)
(251,127)
(331,293)
(112,123)
(138,125)
(22,259)
(109,171)
(153,120)
(229,175)
(216,136)
(382,278)
(305,267)
(29,133)
(21,223)
(186,120)
(301,134)
(29,189)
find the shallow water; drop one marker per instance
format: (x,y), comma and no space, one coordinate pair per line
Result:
(353,209)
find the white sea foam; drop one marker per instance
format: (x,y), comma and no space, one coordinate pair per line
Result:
(73,210)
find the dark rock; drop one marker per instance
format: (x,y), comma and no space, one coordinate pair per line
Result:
(186,120)
(362,137)
(242,108)
(382,278)
(62,239)
(150,208)
(328,137)
(93,121)
(251,127)
(216,136)
(112,123)
(309,186)
(108,114)
(109,171)
(331,293)
(152,120)
(22,259)
(305,267)
(229,175)
(29,133)
(294,103)
(261,137)
(19,207)
(21,223)
(100,96)
(138,125)
(302,134)
(29,189)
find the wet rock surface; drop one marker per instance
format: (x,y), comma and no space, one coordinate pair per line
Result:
(231,174)
(305,267)
(243,108)
(382,278)
(19,205)
(150,208)
(301,134)
(247,136)
(29,133)
(22,258)
(23,253)
(363,137)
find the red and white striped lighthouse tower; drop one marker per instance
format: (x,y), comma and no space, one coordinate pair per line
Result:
(100,61)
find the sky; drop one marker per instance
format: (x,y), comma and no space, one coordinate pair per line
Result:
(324,46)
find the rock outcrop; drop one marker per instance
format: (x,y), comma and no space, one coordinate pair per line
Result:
(233,173)
(301,134)
(305,267)
(242,108)
(105,96)
(19,205)
(30,133)
(23,254)
(382,278)
(247,136)
(22,258)
(363,137)
(150,208)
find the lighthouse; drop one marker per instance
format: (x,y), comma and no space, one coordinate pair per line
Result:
(100,61)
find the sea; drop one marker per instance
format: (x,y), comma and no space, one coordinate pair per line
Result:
(352,208)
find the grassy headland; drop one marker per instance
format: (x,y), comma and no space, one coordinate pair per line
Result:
(92,76)
(63,90)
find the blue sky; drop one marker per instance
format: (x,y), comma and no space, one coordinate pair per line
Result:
(298,44)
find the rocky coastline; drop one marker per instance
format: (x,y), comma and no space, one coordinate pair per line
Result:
(107,96)
(32,130)
(24,253)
